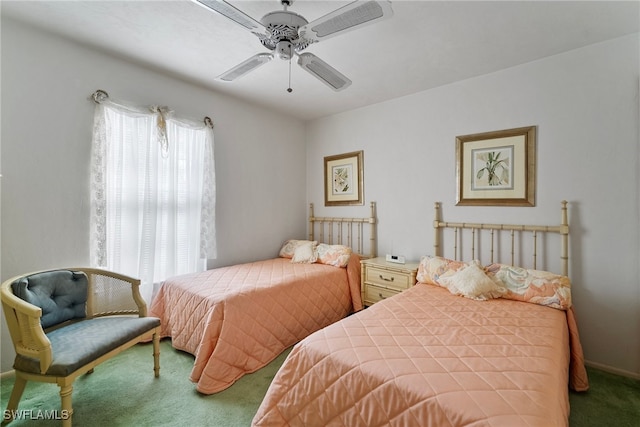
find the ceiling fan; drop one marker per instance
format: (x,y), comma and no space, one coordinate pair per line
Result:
(287,34)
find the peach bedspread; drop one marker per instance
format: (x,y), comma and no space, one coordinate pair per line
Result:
(237,319)
(428,358)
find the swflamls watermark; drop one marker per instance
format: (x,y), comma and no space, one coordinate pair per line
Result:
(36,414)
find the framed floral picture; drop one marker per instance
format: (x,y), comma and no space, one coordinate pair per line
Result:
(343,179)
(496,168)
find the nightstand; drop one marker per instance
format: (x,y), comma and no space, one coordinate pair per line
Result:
(381,279)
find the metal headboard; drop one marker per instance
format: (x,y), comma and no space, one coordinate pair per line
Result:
(346,231)
(562,229)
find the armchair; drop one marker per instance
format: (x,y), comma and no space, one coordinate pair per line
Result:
(63,323)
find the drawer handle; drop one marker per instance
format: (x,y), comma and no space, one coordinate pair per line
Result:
(385,279)
(381,296)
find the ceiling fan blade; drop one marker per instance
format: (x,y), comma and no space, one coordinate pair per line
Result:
(323,71)
(231,12)
(347,18)
(244,67)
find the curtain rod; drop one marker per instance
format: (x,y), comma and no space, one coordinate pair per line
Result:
(100,95)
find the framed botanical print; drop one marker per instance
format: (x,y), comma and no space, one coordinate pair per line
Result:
(343,179)
(497,168)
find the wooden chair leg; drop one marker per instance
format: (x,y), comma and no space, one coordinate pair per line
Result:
(156,355)
(67,410)
(14,399)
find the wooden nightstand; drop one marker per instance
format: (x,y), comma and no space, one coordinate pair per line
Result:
(381,279)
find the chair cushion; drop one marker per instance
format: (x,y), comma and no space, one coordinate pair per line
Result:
(77,344)
(61,294)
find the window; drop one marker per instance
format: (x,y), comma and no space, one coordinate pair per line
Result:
(152,194)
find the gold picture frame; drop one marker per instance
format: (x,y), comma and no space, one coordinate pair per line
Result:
(343,179)
(497,168)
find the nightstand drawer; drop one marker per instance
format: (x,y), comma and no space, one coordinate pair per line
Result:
(373,294)
(388,279)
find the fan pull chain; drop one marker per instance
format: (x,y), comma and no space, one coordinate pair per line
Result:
(289,88)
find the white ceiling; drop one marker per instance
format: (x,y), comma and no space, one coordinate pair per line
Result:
(424,45)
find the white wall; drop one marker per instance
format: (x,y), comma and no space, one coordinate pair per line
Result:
(585,105)
(46,141)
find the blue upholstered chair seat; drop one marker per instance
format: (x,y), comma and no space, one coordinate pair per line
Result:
(79,343)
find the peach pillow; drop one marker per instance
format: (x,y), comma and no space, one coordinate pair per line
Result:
(432,268)
(535,286)
(336,255)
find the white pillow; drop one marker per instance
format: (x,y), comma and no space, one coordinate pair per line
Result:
(305,253)
(472,282)
(289,247)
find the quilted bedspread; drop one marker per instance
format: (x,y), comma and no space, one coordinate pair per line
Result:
(237,319)
(428,358)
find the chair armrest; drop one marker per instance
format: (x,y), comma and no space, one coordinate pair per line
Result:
(23,320)
(112,293)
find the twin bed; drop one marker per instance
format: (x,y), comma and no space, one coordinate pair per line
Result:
(452,350)
(237,319)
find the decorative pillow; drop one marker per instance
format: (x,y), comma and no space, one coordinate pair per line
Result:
(472,282)
(535,286)
(289,247)
(305,253)
(432,268)
(61,294)
(336,255)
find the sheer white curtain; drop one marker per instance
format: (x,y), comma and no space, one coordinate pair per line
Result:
(152,193)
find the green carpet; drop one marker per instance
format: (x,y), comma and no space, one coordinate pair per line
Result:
(612,401)
(131,396)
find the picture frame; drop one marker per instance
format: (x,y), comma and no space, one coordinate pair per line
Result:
(497,168)
(343,179)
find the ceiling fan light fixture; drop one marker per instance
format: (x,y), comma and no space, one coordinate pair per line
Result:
(284,50)
(286,34)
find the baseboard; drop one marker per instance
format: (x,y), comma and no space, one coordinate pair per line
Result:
(612,370)
(8,374)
